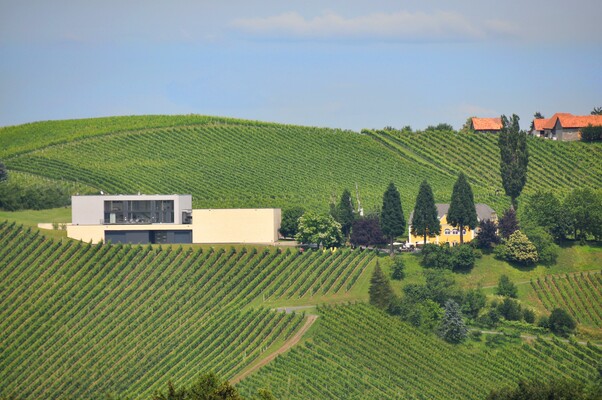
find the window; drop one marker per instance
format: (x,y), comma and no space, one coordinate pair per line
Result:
(138,211)
(447,231)
(455,232)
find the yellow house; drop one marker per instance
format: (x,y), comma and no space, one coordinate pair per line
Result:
(448,233)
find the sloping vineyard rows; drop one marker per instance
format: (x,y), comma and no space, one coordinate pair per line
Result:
(28,137)
(552,165)
(579,294)
(361,353)
(233,165)
(80,320)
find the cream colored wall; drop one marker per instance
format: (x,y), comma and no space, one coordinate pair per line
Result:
(235,225)
(96,233)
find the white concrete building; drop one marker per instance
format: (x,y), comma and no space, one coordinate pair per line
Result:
(167,219)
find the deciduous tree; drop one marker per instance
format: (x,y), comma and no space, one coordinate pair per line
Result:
(462,212)
(584,207)
(366,232)
(514,157)
(319,229)
(392,221)
(487,236)
(425,220)
(508,223)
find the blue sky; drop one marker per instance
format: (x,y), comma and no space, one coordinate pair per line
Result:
(344,64)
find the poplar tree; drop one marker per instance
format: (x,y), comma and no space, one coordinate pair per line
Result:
(514,157)
(392,221)
(462,212)
(425,220)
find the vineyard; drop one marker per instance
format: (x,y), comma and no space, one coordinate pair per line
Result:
(361,353)
(232,163)
(579,294)
(80,320)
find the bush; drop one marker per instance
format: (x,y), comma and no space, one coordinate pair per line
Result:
(505,287)
(517,248)
(544,322)
(510,309)
(463,257)
(457,258)
(473,303)
(529,315)
(435,256)
(547,250)
(398,268)
(561,322)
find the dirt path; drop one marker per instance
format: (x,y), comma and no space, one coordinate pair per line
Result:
(286,346)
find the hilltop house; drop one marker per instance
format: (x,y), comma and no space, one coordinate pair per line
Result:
(448,233)
(167,219)
(564,126)
(486,125)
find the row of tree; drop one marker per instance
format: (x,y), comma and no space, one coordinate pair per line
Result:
(344,224)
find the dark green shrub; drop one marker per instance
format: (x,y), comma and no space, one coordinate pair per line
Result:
(561,322)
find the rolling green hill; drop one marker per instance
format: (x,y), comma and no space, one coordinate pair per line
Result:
(233,163)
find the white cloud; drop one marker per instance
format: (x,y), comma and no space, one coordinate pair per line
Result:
(397,26)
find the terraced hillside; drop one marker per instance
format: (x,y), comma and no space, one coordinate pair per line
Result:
(359,352)
(233,163)
(80,320)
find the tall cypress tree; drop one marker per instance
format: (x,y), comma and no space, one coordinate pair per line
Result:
(462,212)
(514,157)
(392,221)
(344,213)
(425,220)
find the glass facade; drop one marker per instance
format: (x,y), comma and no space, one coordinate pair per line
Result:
(139,212)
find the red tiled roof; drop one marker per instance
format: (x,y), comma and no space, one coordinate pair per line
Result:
(486,124)
(551,122)
(581,121)
(568,120)
(539,123)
